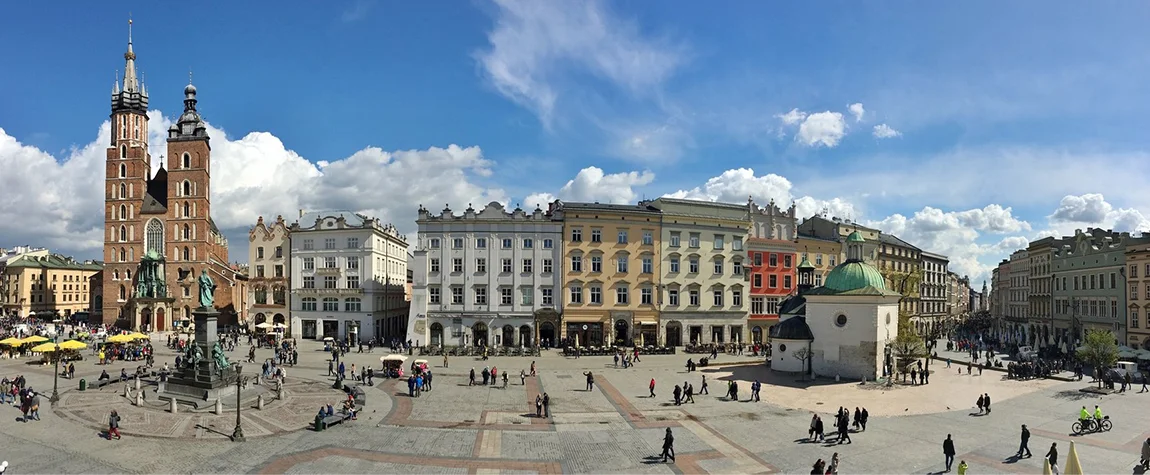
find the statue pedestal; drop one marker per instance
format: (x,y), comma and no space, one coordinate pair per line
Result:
(202,383)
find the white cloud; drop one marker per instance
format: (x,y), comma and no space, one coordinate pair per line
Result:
(793,117)
(59,201)
(883,131)
(857,111)
(535,45)
(592,184)
(736,185)
(538,199)
(1092,210)
(822,129)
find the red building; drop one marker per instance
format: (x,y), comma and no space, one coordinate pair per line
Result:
(771,264)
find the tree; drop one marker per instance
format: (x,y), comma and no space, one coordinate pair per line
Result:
(803,354)
(908,346)
(1099,350)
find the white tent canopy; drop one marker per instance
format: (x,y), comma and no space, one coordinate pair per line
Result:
(264,325)
(399,358)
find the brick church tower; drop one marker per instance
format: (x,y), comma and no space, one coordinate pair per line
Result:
(159,231)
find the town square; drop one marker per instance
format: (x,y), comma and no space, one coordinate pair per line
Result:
(516,236)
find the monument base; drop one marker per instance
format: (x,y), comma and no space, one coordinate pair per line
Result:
(201,383)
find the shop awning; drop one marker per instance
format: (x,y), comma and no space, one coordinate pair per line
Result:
(646,321)
(584,319)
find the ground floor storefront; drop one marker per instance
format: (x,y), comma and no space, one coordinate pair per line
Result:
(355,327)
(582,328)
(270,315)
(759,328)
(462,329)
(699,328)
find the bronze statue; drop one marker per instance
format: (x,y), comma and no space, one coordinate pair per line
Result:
(207,290)
(219,356)
(194,355)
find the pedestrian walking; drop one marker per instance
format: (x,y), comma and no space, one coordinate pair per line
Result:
(865,417)
(532,368)
(962,466)
(471,378)
(857,418)
(1052,457)
(504,380)
(986,402)
(979,403)
(948,451)
(1145,461)
(652,387)
(703,387)
(546,405)
(590,379)
(1023,445)
(668,446)
(522,377)
(538,405)
(444,361)
(688,393)
(678,392)
(114,425)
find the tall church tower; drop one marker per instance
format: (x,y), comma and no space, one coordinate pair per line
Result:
(127,169)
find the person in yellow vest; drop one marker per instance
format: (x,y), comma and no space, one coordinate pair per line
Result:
(102,357)
(962,466)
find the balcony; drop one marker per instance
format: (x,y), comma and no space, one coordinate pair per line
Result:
(321,291)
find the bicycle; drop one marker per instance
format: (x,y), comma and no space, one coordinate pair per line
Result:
(1090,425)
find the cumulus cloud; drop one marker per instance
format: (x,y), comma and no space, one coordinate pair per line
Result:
(883,131)
(857,111)
(736,185)
(793,117)
(535,45)
(592,184)
(1089,208)
(822,129)
(251,176)
(1093,210)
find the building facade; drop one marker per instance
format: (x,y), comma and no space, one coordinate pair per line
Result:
(158,232)
(703,267)
(958,296)
(269,274)
(901,265)
(348,274)
(1089,286)
(611,272)
(771,263)
(1138,292)
(821,253)
(933,293)
(487,277)
(1040,304)
(48,285)
(1017,294)
(836,229)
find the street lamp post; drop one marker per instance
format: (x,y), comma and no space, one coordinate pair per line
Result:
(238,433)
(56,378)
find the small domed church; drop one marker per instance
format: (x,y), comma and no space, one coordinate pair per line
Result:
(843,326)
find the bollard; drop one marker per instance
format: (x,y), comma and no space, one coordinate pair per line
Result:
(137,383)
(139,398)
(219,407)
(172,405)
(260,402)
(127,391)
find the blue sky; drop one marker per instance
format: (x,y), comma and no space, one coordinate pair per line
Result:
(1002,122)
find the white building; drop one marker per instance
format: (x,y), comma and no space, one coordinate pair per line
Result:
(933,293)
(348,274)
(844,326)
(485,277)
(269,268)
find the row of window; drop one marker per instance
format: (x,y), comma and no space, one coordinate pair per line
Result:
(1134,291)
(1088,307)
(332,282)
(773,259)
(527,266)
(1134,271)
(331,304)
(279,295)
(481,243)
(1095,281)
(594,296)
(506,295)
(279,270)
(330,243)
(330,262)
(279,252)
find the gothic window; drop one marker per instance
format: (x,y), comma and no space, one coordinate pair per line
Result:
(123,191)
(155,236)
(123,171)
(187,191)
(187,232)
(123,292)
(278,295)
(186,161)
(187,210)
(128,275)
(123,212)
(187,255)
(123,149)
(261,295)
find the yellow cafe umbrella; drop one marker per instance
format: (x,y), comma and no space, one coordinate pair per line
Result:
(44,348)
(1073,466)
(34,339)
(73,345)
(120,338)
(139,336)
(1046,467)
(11,341)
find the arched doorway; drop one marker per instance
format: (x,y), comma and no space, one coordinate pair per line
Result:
(757,334)
(508,336)
(161,325)
(547,334)
(525,337)
(436,333)
(674,334)
(279,318)
(260,318)
(281,323)
(621,333)
(145,319)
(479,334)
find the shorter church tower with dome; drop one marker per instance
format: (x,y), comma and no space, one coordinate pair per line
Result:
(844,325)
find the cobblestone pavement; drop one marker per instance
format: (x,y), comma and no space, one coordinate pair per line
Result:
(613,428)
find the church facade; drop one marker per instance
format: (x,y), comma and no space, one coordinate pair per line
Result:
(158,231)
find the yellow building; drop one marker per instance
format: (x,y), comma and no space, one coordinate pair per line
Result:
(47,285)
(824,254)
(1138,294)
(610,273)
(901,265)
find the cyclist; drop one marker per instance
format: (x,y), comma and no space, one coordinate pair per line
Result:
(1097,417)
(1084,418)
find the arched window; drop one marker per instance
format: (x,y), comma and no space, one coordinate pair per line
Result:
(279,295)
(187,191)
(186,161)
(261,295)
(309,304)
(123,171)
(123,191)
(123,233)
(123,292)
(128,275)
(115,275)
(352,305)
(187,255)
(187,232)
(187,210)
(123,255)
(155,236)
(123,212)
(123,149)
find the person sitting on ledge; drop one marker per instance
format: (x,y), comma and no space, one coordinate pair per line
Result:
(330,410)
(123,374)
(104,375)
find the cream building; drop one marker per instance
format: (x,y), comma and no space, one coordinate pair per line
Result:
(704,288)
(611,272)
(822,253)
(269,273)
(1138,294)
(933,290)
(48,285)
(901,266)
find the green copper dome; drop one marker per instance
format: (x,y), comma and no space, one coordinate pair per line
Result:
(805,264)
(855,237)
(854,275)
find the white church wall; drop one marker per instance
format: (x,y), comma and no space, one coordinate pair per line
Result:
(853,349)
(783,355)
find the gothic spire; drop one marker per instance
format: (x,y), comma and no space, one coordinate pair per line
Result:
(131,95)
(131,83)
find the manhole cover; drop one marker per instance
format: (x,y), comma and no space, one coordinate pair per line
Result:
(563,376)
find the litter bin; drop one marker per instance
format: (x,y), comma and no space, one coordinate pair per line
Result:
(83,384)
(319,426)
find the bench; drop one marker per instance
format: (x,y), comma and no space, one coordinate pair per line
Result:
(328,421)
(99,384)
(359,396)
